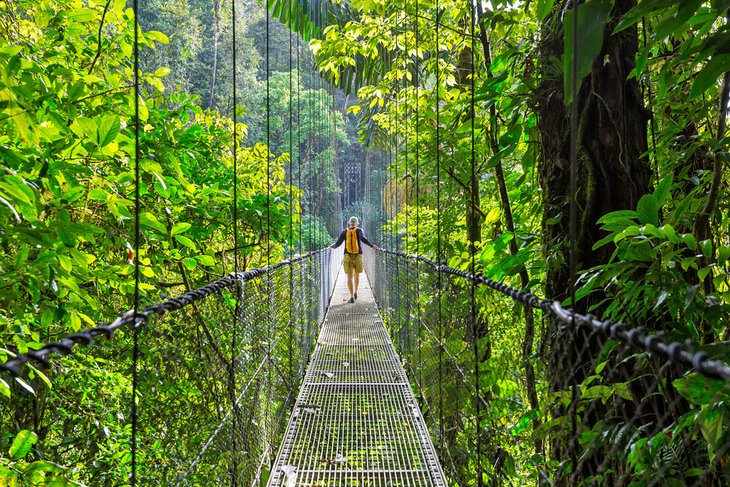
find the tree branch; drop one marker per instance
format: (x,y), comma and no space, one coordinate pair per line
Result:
(98,45)
(450,172)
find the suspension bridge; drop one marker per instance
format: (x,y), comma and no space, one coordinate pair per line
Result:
(349,413)
(268,376)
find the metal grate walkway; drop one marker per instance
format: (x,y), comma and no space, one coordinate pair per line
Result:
(356,422)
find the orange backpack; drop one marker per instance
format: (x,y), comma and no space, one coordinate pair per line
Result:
(352,245)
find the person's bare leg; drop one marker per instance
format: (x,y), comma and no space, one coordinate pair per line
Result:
(356,278)
(350,279)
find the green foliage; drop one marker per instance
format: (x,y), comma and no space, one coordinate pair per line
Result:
(415,93)
(592,16)
(67,201)
(314,233)
(654,271)
(456,174)
(17,471)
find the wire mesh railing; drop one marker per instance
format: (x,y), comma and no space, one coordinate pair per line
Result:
(617,405)
(217,373)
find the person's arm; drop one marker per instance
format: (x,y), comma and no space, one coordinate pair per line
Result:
(366,241)
(339,240)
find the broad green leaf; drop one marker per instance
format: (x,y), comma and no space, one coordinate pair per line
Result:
(631,231)
(648,209)
(723,254)
(9,476)
(703,272)
(150,220)
(69,233)
(44,466)
(676,23)
(706,248)
(719,279)
(669,233)
(88,127)
(75,321)
(178,228)
(15,188)
(9,51)
(205,260)
(164,71)
(143,110)
(81,14)
(596,392)
(186,242)
(592,16)
(702,390)
(190,263)
(493,216)
(543,8)
(605,240)
(39,373)
(22,443)
(107,130)
(147,272)
(622,389)
(12,208)
(689,240)
(663,190)
(643,9)
(710,74)
(618,215)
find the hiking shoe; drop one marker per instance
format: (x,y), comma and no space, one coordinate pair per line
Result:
(351,300)
(355,296)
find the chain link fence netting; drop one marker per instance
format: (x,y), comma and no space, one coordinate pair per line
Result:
(215,377)
(616,406)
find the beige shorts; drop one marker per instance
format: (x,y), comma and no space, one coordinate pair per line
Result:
(352,261)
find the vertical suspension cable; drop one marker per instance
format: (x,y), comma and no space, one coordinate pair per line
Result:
(237,306)
(438,226)
(318,125)
(417,199)
(391,198)
(137,242)
(472,263)
(334,142)
(395,221)
(307,188)
(268,140)
(268,223)
(299,149)
(406,181)
(574,214)
(291,211)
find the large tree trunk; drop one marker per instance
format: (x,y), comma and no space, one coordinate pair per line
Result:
(612,174)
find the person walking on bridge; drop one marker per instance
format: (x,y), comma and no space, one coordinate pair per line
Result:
(353,237)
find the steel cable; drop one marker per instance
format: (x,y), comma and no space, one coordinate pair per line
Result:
(237,306)
(86,337)
(137,243)
(438,221)
(473,251)
(638,337)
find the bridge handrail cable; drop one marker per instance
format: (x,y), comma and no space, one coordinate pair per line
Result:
(654,343)
(673,351)
(85,337)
